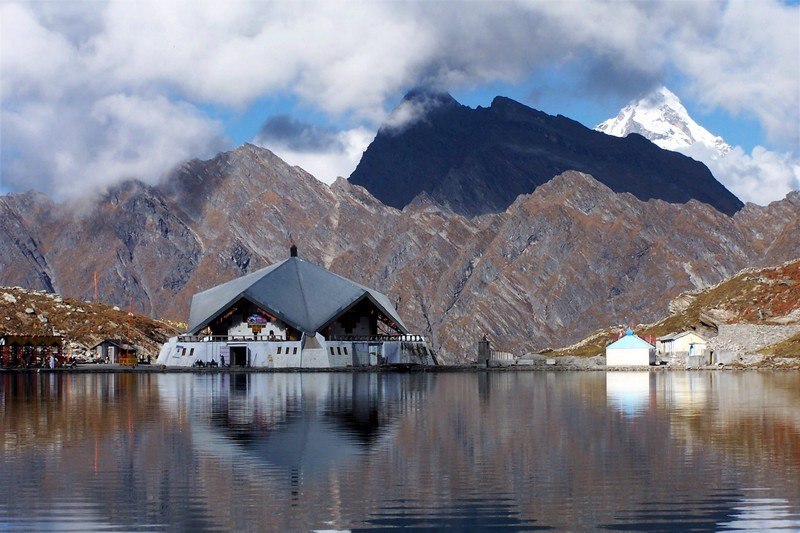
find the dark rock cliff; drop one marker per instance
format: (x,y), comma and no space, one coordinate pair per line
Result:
(477,161)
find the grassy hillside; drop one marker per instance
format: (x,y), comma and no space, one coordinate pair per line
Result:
(788,348)
(763,296)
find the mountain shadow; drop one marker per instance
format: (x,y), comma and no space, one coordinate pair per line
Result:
(477,161)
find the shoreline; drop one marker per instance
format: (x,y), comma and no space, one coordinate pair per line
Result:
(793,365)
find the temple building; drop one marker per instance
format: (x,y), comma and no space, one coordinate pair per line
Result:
(630,350)
(294,314)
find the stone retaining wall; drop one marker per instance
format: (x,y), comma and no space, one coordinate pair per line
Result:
(749,338)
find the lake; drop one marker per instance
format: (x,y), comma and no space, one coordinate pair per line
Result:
(330,451)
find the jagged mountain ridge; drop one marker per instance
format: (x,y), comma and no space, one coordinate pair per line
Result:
(661,117)
(560,262)
(477,161)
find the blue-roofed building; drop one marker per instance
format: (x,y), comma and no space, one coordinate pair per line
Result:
(630,350)
(294,314)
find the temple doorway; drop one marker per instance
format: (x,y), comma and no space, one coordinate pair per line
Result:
(239,356)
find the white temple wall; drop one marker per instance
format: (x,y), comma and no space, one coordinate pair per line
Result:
(363,356)
(290,356)
(316,358)
(325,354)
(340,353)
(285,360)
(630,356)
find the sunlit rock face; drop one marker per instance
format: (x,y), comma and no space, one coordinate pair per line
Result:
(554,265)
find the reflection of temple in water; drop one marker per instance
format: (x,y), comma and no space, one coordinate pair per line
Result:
(630,392)
(299,422)
(359,410)
(338,451)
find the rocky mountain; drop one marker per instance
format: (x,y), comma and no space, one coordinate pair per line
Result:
(761,302)
(661,118)
(478,161)
(556,264)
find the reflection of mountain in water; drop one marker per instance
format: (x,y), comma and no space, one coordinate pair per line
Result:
(90,450)
(338,451)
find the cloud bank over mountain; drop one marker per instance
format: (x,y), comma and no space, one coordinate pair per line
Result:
(324,152)
(97,92)
(762,176)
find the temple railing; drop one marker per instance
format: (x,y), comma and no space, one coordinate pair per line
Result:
(377,338)
(281,338)
(230,338)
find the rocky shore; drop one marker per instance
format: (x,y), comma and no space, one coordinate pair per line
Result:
(742,362)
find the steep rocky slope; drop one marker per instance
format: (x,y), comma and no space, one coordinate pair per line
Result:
(477,161)
(763,297)
(21,218)
(571,257)
(82,324)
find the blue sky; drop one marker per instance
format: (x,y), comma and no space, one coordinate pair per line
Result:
(550,91)
(97,92)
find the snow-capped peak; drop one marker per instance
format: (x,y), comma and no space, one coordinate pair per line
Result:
(661,117)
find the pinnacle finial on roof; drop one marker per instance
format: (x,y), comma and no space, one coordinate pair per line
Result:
(629,331)
(293,250)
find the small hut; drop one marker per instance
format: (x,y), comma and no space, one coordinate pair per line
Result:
(630,350)
(682,343)
(110,349)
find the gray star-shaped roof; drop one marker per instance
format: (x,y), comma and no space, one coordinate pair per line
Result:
(303,295)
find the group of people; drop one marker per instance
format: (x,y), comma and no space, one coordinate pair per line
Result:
(210,364)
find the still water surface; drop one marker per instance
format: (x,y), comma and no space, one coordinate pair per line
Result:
(521,451)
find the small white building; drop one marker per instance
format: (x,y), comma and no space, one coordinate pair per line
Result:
(630,350)
(683,343)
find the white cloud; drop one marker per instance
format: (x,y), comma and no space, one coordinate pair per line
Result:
(73,148)
(338,156)
(759,177)
(67,129)
(32,58)
(413,108)
(749,62)
(342,57)
(146,136)
(62,65)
